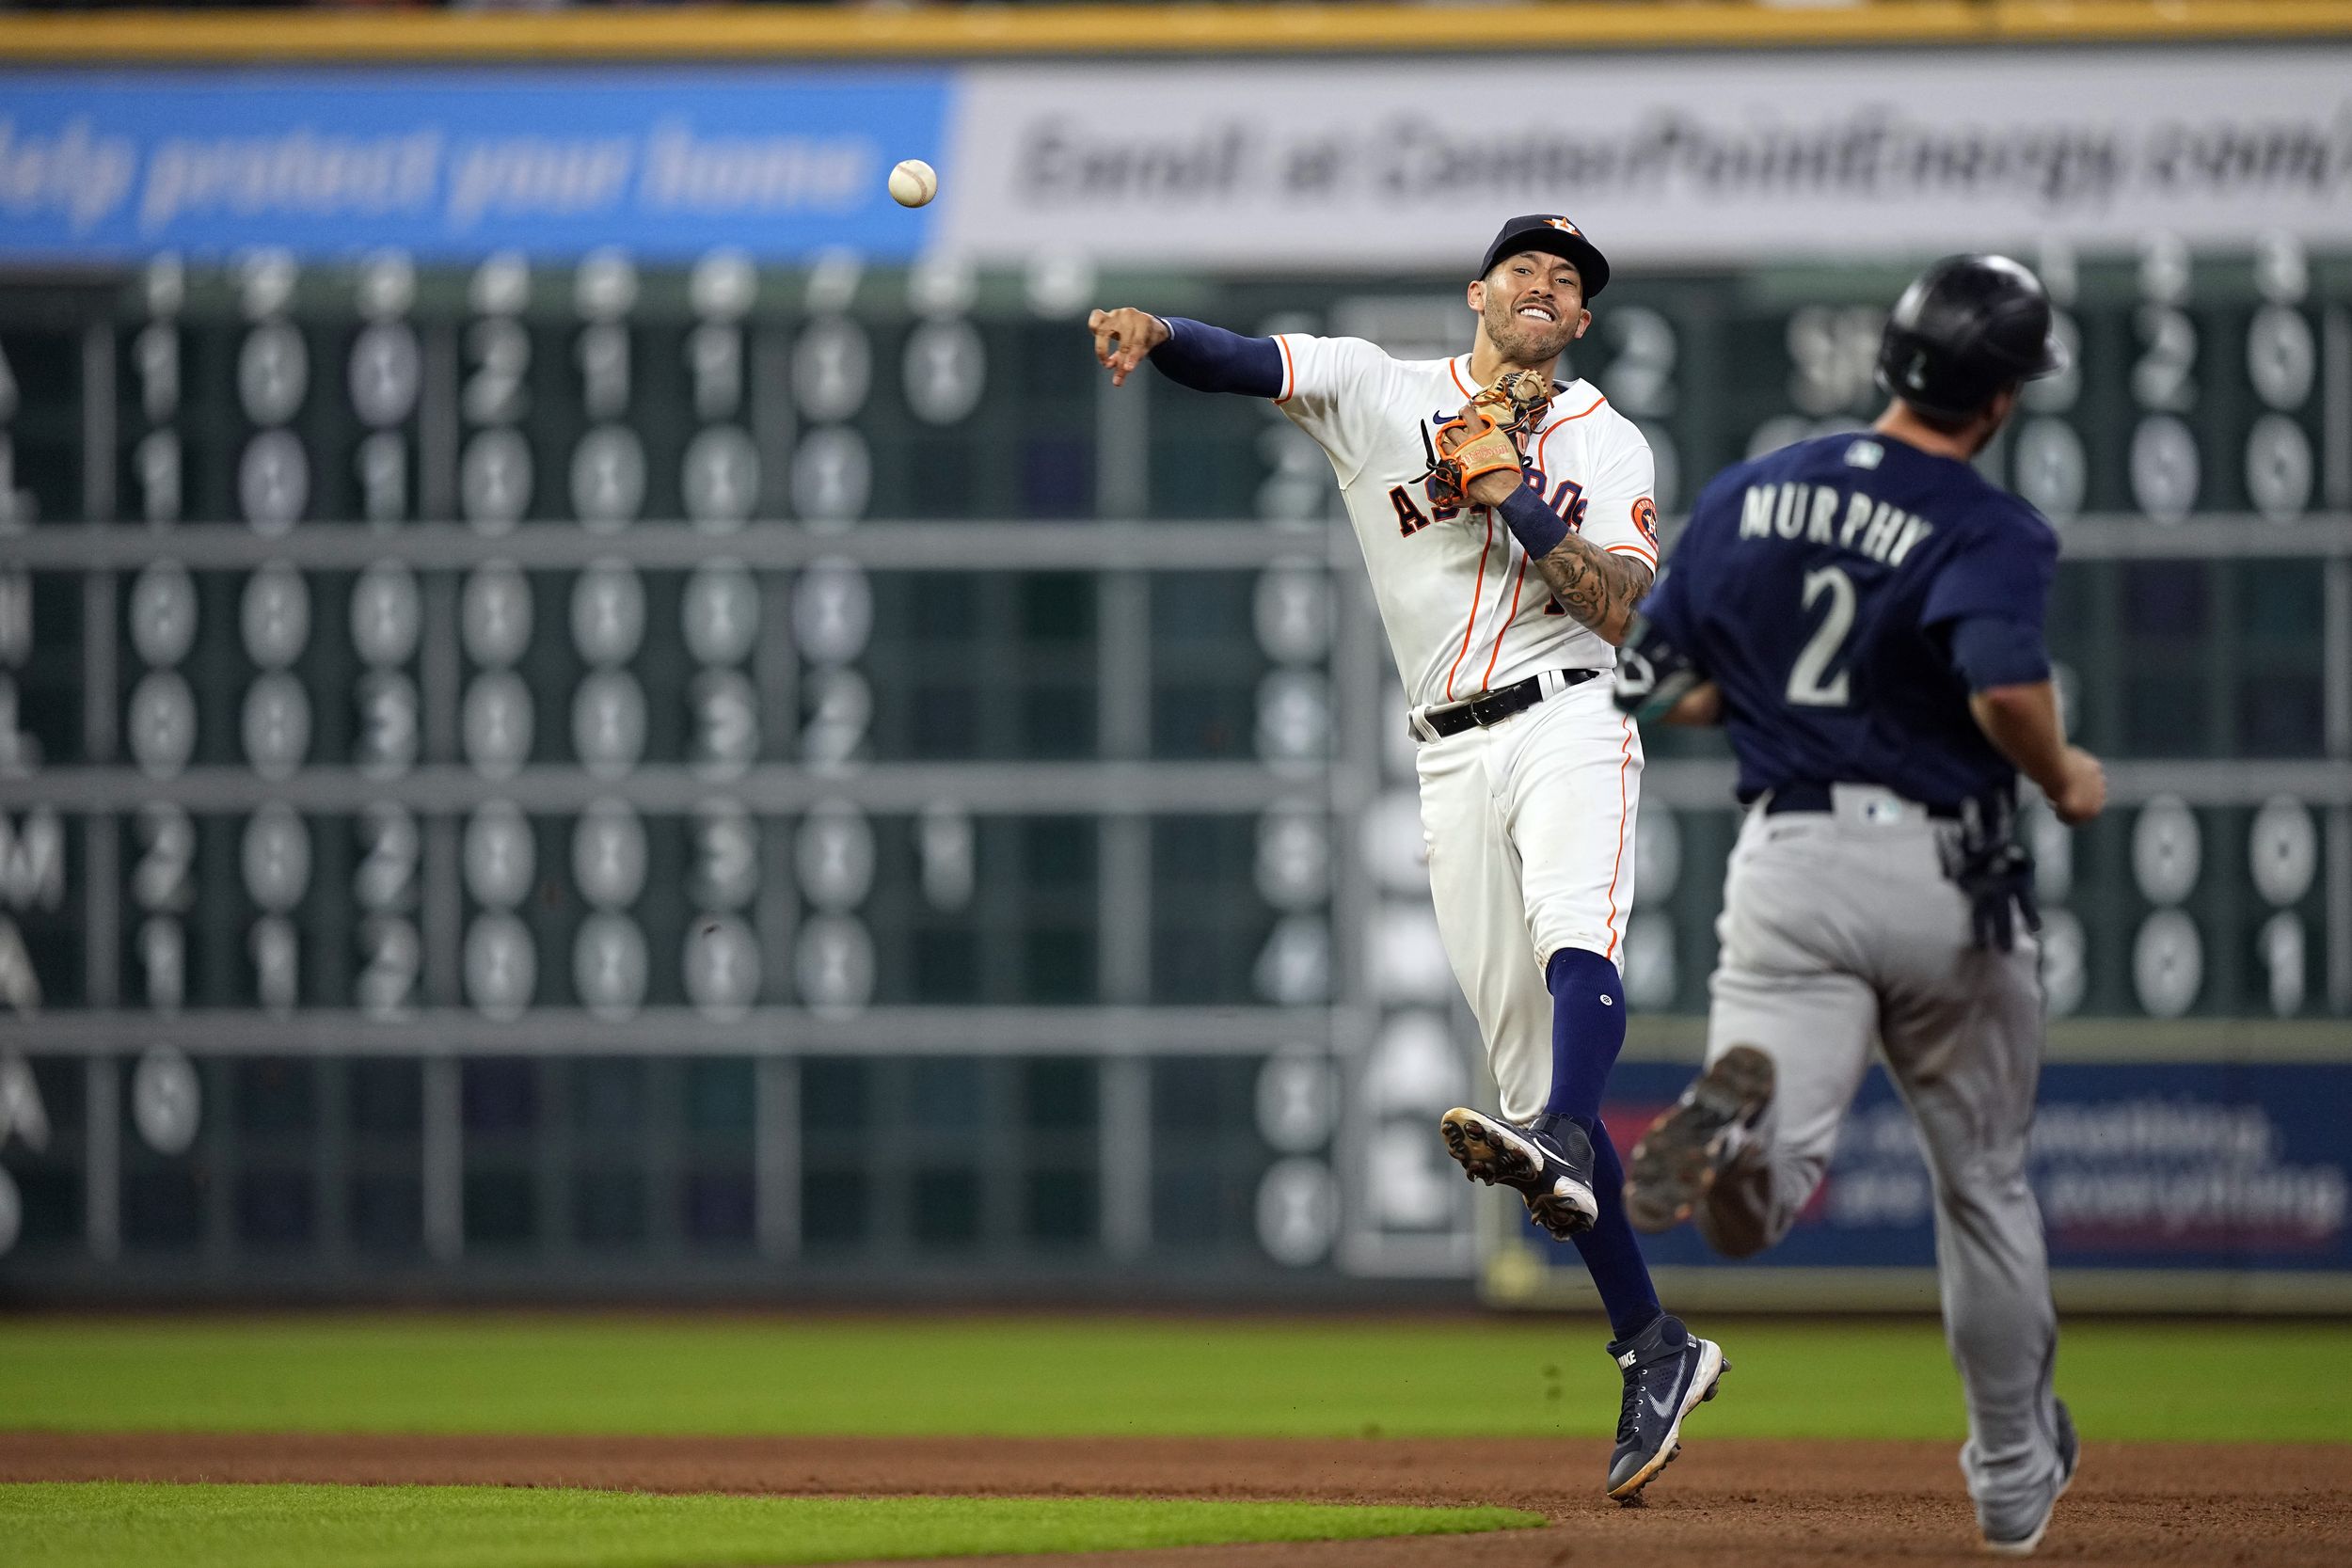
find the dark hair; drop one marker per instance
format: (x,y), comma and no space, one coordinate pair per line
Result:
(1947,424)
(1953,424)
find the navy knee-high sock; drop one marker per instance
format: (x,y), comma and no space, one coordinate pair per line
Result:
(1610,1254)
(1588,1032)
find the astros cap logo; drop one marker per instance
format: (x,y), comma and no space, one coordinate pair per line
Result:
(1565,226)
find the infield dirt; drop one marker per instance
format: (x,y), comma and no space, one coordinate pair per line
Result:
(1727,1503)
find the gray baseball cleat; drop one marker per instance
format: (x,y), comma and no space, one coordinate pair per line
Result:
(1669,1371)
(2020,1534)
(1549,1161)
(1676,1162)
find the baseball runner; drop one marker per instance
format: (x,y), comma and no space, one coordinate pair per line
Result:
(1864,615)
(1507,524)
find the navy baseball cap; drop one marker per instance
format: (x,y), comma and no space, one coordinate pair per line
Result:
(1555,235)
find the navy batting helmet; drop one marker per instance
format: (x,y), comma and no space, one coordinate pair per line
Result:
(1969,327)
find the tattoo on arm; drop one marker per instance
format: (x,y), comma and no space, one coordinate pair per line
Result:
(1599,587)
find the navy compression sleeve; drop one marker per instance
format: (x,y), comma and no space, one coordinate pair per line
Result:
(1210,360)
(1998,650)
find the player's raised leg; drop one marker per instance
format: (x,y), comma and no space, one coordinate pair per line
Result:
(1674,1167)
(1784,1023)
(1474,884)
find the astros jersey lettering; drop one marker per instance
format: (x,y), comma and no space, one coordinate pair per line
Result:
(1465,611)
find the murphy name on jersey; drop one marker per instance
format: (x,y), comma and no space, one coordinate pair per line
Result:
(1827,514)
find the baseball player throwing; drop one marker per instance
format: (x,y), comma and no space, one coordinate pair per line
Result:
(1864,615)
(1507,524)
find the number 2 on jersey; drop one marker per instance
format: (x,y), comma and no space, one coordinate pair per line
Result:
(1806,688)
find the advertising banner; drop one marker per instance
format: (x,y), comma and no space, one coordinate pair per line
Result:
(1344,167)
(2172,1165)
(1686,158)
(668,163)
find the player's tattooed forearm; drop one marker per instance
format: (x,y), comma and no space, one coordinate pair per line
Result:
(1599,587)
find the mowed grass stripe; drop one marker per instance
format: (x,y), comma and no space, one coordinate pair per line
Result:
(1077,1376)
(105,1523)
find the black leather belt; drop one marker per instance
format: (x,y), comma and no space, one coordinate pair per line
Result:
(1493,708)
(1810,795)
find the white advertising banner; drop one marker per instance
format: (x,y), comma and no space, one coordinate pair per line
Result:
(1375,166)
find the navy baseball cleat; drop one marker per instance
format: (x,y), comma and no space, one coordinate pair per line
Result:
(1669,1371)
(2018,1537)
(1676,1161)
(1550,1161)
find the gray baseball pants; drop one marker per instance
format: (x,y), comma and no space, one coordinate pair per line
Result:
(1841,930)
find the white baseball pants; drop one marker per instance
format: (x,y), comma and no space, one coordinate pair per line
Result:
(1530,828)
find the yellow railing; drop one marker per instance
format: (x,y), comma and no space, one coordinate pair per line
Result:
(952,32)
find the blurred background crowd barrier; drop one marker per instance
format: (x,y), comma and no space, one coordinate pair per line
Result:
(590,707)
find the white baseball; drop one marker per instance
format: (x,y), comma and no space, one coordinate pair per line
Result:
(912,182)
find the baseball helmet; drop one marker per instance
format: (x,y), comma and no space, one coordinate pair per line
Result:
(1967,328)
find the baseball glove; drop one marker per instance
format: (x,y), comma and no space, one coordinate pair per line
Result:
(1482,439)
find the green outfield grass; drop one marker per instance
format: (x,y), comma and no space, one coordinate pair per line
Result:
(1303,1377)
(103,1523)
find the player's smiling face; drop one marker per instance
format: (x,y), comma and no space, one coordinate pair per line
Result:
(1532,306)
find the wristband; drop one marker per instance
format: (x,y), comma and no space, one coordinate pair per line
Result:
(1537,527)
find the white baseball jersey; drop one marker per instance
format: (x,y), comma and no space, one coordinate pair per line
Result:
(1528,823)
(1465,609)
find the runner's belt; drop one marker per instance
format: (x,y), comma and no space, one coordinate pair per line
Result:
(1809,795)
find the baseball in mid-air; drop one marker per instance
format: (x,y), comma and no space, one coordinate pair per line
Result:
(912,182)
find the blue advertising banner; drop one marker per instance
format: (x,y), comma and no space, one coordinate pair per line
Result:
(782,164)
(2173,1166)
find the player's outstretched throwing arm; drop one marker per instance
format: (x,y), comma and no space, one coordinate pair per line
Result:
(1599,587)
(1189,352)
